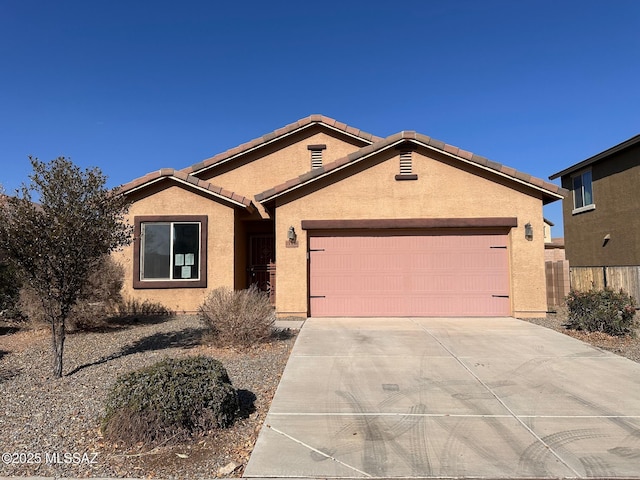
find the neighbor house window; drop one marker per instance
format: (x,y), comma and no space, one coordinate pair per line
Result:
(170,252)
(316,155)
(582,191)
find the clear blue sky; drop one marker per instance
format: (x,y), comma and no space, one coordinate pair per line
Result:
(134,86)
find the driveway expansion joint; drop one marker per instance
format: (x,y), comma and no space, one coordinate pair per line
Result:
(495,395)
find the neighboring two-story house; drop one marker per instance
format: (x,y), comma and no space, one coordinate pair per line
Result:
(602,214)
(602,219)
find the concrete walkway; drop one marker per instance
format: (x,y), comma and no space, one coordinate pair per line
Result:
(462,398)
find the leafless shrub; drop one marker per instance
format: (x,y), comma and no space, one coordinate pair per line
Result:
(238,318)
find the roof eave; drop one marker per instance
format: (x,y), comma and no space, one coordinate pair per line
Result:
(548,196)
(596,158)
(263,144)
(247,206)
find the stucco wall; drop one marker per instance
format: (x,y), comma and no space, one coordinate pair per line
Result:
(175,200)
(257,172)
(441,191)
(615,195)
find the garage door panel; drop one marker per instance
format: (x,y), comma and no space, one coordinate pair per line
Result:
(421,275)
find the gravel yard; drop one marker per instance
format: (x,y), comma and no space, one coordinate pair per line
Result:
(628,346)
(45,418)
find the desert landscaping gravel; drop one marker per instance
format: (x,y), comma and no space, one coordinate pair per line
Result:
(51,427)
(52,418)
(627,346)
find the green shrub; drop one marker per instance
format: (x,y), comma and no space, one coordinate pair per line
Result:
(238,318)
(173,398)
(604,311)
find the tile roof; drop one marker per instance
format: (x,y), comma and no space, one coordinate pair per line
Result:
(276,134)
(553,191)
(179,176)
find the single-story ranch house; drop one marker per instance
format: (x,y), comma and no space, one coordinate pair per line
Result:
(334,221)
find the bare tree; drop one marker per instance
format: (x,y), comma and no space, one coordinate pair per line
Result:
(56,242)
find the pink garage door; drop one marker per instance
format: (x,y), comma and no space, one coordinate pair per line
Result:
(424,275)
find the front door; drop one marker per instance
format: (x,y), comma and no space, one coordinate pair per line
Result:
(261,254)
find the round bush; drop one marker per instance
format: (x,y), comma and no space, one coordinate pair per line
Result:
(238,318)
(175,397)
(608,311)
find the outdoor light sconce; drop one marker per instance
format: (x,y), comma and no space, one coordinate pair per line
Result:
(292,237)
(528,232)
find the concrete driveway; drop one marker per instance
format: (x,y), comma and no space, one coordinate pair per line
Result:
(463,398)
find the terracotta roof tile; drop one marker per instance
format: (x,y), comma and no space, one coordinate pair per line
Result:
(451,149)
(426,140)
(291,183)
(525,177)
(537,181)
(352,131)
(494,165)
(464,154)
(508,170)
(329,121)
(316,118)
(269,136)
(479,160)
(436,143)
(409,134)
(308,176)
(170,173)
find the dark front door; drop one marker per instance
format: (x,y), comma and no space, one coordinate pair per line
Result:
(261,254)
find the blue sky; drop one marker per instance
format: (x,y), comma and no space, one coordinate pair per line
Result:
(134,86)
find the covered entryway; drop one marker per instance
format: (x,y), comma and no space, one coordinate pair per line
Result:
(387,273)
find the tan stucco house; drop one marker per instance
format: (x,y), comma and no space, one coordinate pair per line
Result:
(338,222)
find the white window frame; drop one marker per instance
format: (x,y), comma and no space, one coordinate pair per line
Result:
(585,207)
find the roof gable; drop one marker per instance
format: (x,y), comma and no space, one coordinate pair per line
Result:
(550,191)
(277,135)
(186,180)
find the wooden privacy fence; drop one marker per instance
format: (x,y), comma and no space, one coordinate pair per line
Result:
(625,278)
(557,274)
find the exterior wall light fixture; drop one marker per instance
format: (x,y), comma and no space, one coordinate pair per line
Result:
(528,232)
(291,235)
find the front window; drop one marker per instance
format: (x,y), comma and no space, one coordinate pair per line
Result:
(582,190)
(170,252)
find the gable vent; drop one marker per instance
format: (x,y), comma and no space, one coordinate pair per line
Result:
(316,158)
(405,163)
(316,155)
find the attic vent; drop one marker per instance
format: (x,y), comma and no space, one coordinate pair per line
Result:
(316,155)
(405,163)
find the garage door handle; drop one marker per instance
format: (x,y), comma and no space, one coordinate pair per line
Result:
(317,296)
(500,296)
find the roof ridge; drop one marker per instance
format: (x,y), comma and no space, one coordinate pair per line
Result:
(287,129)
(411,135)
(151,177)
